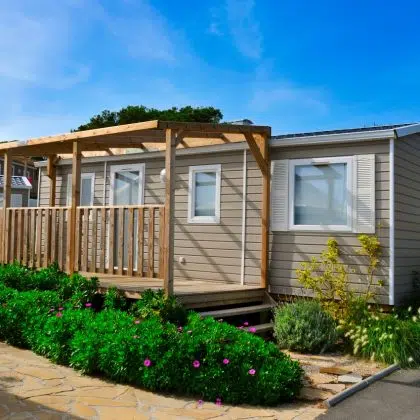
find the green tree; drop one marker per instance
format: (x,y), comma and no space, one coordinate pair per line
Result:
(133,114)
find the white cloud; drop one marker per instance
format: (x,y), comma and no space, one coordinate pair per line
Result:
(244,27)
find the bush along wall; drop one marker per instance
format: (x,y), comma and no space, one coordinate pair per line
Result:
(204,358)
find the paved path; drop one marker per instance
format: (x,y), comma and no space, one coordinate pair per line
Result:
(33,388)
(396,397)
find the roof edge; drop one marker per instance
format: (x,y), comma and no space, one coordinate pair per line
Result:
(407,130)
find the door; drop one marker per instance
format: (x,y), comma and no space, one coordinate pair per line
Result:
(127,189)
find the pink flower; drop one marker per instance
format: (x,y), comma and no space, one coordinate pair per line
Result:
(60,309)
(240,328)
(200,403)
(252,372)
(52,310)
(137,321)
(252,329)
(88,305)
(59,315)
(179,329)
(218,402)
(147,362)
(226,361)
(196,364)
(246,323)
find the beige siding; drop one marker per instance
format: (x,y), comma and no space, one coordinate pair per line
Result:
(407,215)
(289,249)
(213,252)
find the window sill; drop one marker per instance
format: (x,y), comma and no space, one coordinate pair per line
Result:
(332,228)
(204,221)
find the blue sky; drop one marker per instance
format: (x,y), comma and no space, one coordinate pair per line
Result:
(297,66)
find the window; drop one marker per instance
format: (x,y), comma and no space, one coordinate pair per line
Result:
(324,194)
(320,194)
(204,194)
(87,185)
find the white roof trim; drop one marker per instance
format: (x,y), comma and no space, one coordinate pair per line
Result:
(333,138)
(407,130)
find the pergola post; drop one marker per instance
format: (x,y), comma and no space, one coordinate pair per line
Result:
(265,214)
(168,248)
(52,174)
(260,150)
(7,191)
(75,200)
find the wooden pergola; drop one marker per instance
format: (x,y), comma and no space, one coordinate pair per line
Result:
(167,136)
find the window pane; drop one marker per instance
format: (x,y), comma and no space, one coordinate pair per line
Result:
(86,191)
(205,194)
(126,189)
(321,194)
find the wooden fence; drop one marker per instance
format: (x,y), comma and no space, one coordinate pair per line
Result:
(122,240)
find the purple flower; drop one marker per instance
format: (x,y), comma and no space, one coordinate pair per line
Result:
(218,402)
(88,305)
(252,329)
(180,329)
(226,361)
(196,364)
(200,403)
(147,362)
(58,314)
(137,321)
(246,323)
(241,327)
(252,372)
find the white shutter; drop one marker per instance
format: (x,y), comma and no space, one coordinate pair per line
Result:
(279,195)
(364,194)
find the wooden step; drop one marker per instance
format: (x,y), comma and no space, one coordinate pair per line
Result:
(243,310)
(263,328)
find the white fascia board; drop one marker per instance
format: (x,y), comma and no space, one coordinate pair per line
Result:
(333,138)
(407,130)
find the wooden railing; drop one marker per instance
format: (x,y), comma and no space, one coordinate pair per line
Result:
(121,240)
(35,236)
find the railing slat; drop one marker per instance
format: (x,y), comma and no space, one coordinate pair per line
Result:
(85,250)
(19,235)
(78,235)
(151,243)
(140,242)
(25,236)
(161,241)
(94,239)
(60,258)
(111,241)
(130,241)
(32,236)
(121,215)
(53,248)
(39,238)
(7,241)
(47,238)
(103,240)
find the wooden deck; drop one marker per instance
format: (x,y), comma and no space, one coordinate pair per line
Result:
(193,294)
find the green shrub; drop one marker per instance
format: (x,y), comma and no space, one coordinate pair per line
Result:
(19,311)
(155,303)
(115,299)
(77,289)
(388,338)
(304,326)
(16,276)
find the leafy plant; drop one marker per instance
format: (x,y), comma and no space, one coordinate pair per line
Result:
(155,304)
(304,326)
(115,299)
(328,277)
(388,338)
(77,289)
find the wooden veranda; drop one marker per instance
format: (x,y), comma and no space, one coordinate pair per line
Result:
(80,238)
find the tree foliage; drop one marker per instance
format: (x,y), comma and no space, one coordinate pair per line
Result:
(132,114)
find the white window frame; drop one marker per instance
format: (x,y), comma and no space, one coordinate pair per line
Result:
(328,160)
(141,167)
(84,175)
(193,170)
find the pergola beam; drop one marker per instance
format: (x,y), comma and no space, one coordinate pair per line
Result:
(258,153)
(52,174)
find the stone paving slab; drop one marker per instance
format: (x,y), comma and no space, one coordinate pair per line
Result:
(33,388)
